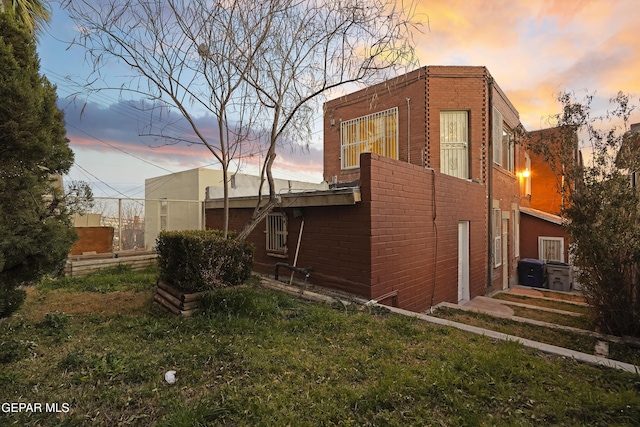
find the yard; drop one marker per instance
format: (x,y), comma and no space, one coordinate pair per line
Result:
(98,348)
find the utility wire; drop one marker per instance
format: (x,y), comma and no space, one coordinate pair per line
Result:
(119,149)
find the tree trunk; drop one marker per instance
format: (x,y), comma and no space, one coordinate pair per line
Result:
(225,210)
(260,213)
(256,218)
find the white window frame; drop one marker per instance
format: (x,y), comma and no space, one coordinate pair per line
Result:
(377,133)
(497,237)
(276,234)
(541,241)
(497,136)
(454,143)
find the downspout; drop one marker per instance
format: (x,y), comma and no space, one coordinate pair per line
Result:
(408,130)
(490,264)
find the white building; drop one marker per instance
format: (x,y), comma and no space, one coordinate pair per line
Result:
(175,201)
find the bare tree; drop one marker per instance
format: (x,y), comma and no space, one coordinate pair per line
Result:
(178,55)
(260,68)
(315,47)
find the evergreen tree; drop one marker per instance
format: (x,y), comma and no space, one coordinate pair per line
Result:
(35,226)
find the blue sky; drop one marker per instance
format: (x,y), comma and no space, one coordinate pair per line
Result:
(533,48)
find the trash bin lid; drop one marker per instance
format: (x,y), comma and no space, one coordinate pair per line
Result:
(531,261)
(557,263)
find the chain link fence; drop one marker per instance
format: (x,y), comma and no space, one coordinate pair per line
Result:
(137,222)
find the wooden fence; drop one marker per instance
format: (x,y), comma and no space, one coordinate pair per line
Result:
(79,265)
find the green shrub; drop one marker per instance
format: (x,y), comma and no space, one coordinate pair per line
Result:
(10,299)
(196,260)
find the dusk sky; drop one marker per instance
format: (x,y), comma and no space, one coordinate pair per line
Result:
(533,48)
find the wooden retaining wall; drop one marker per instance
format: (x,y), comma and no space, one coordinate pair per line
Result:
(85,264)
(177,302)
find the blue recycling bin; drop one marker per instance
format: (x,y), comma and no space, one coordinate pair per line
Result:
(531,272)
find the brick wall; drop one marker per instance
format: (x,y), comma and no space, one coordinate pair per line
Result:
(419,96)
(545,186)
(532,228)
(458,88)
(406,92)
(506,191)
(335,242)
(410,251)
(390,240)
(545,182)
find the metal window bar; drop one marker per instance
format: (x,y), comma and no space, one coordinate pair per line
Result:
(276,233)
(454,143)
(374,133)
(551,250)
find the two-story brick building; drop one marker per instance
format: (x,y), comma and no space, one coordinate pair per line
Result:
(425,179)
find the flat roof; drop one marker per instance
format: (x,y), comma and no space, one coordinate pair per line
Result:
(307,198)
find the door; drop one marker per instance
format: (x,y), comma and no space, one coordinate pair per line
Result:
(463,262)
(505,253)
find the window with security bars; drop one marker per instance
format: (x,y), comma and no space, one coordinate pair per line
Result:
(374,133)
(276,233)
(454,143)
(551,248)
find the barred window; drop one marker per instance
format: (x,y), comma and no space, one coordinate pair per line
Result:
(551,248)
(276,233)
(454,143)
(374,133)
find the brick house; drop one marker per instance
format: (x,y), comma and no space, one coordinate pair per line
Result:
(542,234)
(425,179)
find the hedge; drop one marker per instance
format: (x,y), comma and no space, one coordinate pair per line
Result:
(199,260)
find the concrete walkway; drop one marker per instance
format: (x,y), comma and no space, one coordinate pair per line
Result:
(490,306)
